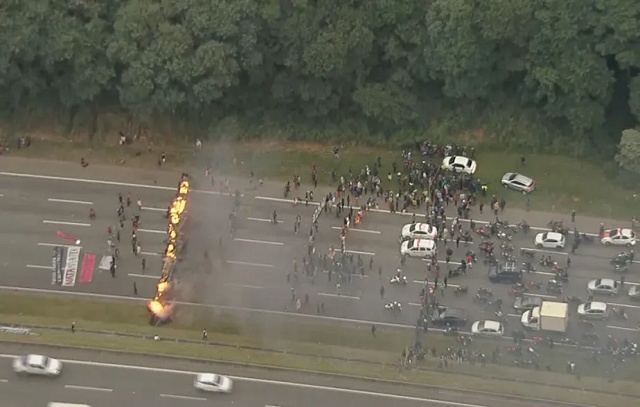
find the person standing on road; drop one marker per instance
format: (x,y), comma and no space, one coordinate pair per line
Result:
(573,216)
(382,292)
(144,265)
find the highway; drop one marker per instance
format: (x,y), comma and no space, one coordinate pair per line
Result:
(249,269)
(103,380)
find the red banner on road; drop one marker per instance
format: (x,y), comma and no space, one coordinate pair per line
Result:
(88,263)
(67,237)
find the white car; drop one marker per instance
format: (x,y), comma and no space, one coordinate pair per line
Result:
(37,365)
(518,182)
(618,237)
(419,231)
(213,383)
(593,309)
(458,163)
(606,286)
(550,240)
(425,248)
(487,328)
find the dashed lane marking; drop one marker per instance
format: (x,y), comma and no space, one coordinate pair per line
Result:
(70,201)
(33,266)
(176,396)
(622,328)
(359,252)
(151,208)
(143,276)
(73,387)
(265,220)
(58,222)
(237,239)
(349,297)
(253,287)
(431,284)
(159,232)
(373,232)
(246,263)
(545,251)
(57,245)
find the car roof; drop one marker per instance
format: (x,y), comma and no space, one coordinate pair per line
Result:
(625,232)
(422,226)
(424,242)
(607,281)
(36,359)
(555,235)
(634,290)
(495,325)
(453,311)
(529,299)
(597,305)
(206,377)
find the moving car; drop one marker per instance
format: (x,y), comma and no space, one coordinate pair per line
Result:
(419,231)
(211,382)
(505,273)
(550,240)
(37,365)
(607,286)
(526,303)
(594,309)
(518,182)
(458,163)
(618,237)
(443,316)
(424,248)
(634,293)
(487,328)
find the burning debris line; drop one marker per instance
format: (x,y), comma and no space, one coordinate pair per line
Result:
(161,305)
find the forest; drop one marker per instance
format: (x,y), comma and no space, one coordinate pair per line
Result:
(536,73)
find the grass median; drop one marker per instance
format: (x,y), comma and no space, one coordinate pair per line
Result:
(317,347)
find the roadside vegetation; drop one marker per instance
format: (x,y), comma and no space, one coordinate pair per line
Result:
(315,346)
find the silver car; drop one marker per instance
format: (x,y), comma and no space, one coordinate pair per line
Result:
(606,286)
(518,182)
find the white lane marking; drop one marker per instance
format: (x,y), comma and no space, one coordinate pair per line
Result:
(271,405)
(374,232)
(254,287)
(246,263)
(70,201)
(71,386)
(159,232)
(622,328)
(56,245)
(265,381)
(455,263)
(431,283)
(264,220)
(544,251)
(624,305)
(175,396)
(102,182)
(151,208)
(349,297)
(143,275)
(4,380)
(358,252)
(57,222)
(237,239)
(268,198)
(544,273)
(541,295)
(415,304)
(514,315)
(33,266)
(149,254)
(1,195)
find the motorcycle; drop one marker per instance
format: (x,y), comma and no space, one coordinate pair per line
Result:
(483,295)
(620,313)
(583,237)
(533,285)
(554,287)
(460,290)
(504,236)
(402,280)
(524,226)
(502,318)
(617,268)
(622,259)
(547,261)
(393,306)
(510,258)
(458,271)
(527,267)
(471,255)
(450,331)
(506,247)
(527,253)
(562,276)
(502,223)
(486,246)
(483,232)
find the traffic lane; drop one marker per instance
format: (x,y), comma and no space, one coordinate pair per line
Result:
(289,380)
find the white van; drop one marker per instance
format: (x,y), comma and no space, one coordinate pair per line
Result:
(424,248)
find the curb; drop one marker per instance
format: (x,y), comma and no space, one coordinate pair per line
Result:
(436,389)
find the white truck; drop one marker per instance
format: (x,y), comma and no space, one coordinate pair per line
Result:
(549,317)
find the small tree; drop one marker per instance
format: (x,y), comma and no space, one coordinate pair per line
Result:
(628,156)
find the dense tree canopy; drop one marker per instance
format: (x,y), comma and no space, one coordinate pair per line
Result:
(388,63)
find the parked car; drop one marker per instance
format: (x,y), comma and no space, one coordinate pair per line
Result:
(550,240)
(38,365)
(607,286)
(518,182)
(424,248)
(214,383)
(505,273)
(593,309)
(458,163)
(526,302)
(418,231)
(487,328)
(618,237)
(443,316)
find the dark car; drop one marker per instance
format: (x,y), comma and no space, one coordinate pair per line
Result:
(526,302)
(443,316)
(505,273)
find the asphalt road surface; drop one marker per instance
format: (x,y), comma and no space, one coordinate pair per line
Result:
(103,380)
(249,269)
